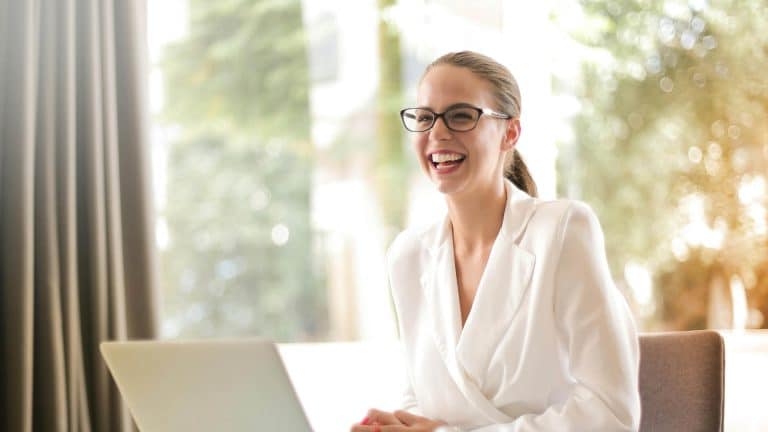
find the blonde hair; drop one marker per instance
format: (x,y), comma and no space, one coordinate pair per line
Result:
(507,95)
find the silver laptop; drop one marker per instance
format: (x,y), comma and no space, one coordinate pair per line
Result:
(235,385)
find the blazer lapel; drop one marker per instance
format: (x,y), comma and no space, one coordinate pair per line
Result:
(441,292)
(466,352)
(501,290)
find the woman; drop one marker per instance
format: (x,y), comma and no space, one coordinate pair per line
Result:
(507,311)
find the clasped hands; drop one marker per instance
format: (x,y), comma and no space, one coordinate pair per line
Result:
(398,421)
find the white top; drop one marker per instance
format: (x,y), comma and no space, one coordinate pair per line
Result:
(549,344)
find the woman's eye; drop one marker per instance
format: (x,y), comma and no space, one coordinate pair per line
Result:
(424,118)
(461,116)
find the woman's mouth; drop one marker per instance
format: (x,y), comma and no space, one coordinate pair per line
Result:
(444,163)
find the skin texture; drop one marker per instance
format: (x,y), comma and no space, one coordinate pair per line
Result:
(399,421)
(474,193)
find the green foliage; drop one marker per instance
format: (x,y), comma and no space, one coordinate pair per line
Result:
(244,65)
(391,172)
(239,175)
(676,111)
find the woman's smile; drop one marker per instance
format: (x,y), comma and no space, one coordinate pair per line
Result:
(445,162)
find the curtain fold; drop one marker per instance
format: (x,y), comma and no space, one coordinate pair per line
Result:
(77,261)
(16,210)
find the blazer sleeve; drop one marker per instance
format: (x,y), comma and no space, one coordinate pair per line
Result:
(409,402)
(408,396)
(596,329)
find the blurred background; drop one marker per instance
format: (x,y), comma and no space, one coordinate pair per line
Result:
(282,172)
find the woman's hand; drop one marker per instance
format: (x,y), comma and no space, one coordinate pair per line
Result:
(399,421)
(378,418)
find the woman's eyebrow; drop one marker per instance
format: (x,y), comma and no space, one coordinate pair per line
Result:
(456,105)
(461,105)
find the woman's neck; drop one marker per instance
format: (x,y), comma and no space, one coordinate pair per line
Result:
(476,218)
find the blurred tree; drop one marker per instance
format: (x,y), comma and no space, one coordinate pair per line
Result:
(391,173)
(240,257)
(671,146)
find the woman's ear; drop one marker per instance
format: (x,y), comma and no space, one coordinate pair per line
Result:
(511,135)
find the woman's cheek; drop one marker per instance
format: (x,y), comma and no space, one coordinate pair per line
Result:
(419,145)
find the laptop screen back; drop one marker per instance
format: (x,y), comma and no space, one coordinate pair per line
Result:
(174,386)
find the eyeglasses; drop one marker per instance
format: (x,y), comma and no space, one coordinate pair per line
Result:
(461,118)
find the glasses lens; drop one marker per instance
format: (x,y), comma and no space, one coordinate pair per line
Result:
(418,120)
(461,119)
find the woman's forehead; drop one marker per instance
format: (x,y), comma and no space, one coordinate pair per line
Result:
(447,85)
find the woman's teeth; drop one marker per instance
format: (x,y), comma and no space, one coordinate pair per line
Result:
(446,157)
(442,161)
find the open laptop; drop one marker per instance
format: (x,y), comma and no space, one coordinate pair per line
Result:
(189,386)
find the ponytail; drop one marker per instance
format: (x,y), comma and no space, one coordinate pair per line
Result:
(517,173)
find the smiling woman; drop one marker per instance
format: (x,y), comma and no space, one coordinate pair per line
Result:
(658,109)
(507,310)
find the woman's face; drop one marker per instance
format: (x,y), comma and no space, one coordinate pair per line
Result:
(480,152)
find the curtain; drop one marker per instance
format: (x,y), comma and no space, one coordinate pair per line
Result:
(77,264)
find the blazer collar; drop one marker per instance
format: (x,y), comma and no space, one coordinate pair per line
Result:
(468,351)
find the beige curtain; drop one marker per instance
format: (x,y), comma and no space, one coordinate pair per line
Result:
(76,240)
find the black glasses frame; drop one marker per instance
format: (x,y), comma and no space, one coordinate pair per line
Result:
(480,112)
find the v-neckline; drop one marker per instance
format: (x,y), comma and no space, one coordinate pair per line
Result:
(462,324)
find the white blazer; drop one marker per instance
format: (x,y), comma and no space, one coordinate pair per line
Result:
(549,344)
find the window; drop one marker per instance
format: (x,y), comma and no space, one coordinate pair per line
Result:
(283,173)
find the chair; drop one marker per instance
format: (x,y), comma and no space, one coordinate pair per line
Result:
(682,381)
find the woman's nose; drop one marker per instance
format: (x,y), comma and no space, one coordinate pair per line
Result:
(440,129)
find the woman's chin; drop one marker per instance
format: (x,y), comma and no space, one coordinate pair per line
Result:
(447,187)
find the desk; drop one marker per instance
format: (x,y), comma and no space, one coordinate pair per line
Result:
(338,382)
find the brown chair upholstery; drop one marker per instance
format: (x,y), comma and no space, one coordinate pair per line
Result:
(681,381)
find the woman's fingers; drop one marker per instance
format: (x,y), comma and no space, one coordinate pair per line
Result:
(378,428)
(399,421)
(376,421)
(407,418)
(369,428)
(395,428)
(382,418)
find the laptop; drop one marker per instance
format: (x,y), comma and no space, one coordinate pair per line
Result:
(190,386)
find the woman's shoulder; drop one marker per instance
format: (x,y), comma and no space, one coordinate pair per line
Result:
(409,243)
(563,207)
(563,214)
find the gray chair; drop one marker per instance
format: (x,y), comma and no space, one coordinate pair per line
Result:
(682,381)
